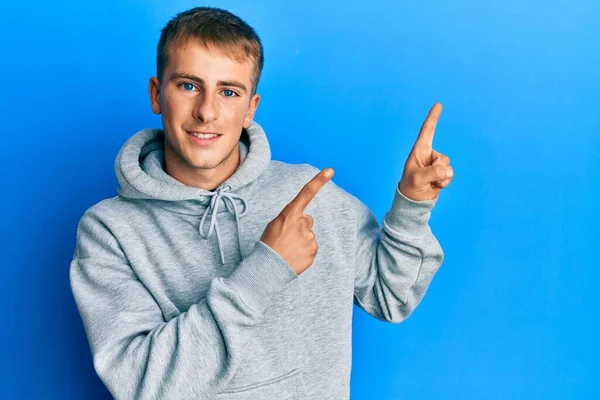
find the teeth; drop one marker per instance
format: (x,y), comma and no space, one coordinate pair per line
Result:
(204,136)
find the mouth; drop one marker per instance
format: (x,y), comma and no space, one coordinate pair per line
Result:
(203,139)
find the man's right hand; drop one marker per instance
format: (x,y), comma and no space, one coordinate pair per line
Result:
(290,233)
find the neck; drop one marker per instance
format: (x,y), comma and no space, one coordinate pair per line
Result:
(203,178)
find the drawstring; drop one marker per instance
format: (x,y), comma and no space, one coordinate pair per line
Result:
(222,193)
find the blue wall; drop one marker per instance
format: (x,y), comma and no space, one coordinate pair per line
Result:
(513,312)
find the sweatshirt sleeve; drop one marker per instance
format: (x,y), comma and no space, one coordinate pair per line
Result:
(139,355)
(395,262)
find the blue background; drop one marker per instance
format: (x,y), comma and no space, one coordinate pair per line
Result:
(512,313)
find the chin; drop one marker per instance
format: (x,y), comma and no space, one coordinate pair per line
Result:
(203,166)
(202,163)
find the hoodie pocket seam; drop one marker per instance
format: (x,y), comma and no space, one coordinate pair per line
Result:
(257,386)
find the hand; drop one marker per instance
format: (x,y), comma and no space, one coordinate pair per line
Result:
(290,233)
(426,171)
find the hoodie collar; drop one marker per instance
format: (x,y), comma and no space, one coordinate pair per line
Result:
(139,167)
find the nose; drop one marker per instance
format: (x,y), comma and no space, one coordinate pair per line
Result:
(207,108)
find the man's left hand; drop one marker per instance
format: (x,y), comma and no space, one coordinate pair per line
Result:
(426,171)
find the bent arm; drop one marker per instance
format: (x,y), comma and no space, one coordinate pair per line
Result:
(395,262)
(136,353)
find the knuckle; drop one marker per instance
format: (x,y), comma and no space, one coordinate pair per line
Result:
(309,191)
(314,247)
(304,223)
(440,171)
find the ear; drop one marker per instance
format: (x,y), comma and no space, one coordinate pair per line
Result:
(154,92)
(251,110)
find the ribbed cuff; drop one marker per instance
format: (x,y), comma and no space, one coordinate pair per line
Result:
(260,275)
(408,217)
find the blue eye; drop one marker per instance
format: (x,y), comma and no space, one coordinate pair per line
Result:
(229,93)
(188,86)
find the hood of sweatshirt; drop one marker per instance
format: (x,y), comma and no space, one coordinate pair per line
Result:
(140,171)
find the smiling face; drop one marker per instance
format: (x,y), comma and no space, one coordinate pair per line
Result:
(203,90)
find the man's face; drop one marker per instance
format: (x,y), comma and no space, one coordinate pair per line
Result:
(203,91)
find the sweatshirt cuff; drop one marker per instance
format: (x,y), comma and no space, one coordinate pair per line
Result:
(260,275)
(409,217)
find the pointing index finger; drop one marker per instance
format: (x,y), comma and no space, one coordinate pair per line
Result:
(428,128)
(309,191)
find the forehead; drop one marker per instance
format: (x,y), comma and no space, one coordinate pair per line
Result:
(206,62)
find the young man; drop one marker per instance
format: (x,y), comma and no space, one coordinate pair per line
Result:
(218,273)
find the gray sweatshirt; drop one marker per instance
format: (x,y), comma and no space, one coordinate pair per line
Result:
(181,300)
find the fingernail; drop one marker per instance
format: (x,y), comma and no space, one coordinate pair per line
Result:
(328,172)
(449,172)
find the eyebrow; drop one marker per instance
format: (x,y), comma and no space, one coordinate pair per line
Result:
(179,75)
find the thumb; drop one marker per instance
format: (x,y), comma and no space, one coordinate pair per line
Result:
(436,173)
